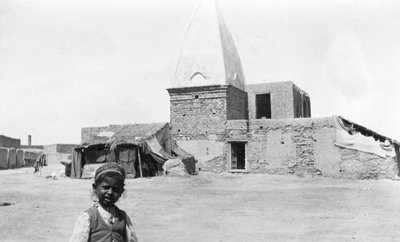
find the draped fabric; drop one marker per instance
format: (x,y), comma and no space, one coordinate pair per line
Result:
(76,165)
(121,145)
(348,137)
(127,158)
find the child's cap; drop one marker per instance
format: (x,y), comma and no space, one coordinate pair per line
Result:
(109,167)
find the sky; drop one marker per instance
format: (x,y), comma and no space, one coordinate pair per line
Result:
(69,64)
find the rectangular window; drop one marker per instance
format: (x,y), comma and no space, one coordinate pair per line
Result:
(238,155)
(263,106)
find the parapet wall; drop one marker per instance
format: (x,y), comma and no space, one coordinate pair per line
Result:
(59,148)
(9,142)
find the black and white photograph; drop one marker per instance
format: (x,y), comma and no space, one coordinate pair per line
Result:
(199,120)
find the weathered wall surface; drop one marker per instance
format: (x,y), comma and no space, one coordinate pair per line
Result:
(301,103)
(57,158)
(198,111)
(236,104)
(362,165)
(302,146)
(59,148)
(20,158)
(281,98)
(3,158)
(88,132)
(209,153)
(9,142)
(327,156)
(285,145)
(12,158)
(32,147)
(198,120)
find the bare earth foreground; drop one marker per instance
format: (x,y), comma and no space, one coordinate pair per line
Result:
(209,207)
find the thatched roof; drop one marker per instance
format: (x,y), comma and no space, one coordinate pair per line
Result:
(134,134)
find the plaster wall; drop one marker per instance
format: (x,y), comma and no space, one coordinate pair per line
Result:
(209,153)
(32,147)
(56,158)
(59,148)
(301,103)
(327,156)
(20,158)
(281,98)
(3,158)
(362,165)
(12,158)
(284,146)
(302,146)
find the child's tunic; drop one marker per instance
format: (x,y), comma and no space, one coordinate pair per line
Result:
(98,224)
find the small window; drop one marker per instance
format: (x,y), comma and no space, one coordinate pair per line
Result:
(196,96)
(263,106)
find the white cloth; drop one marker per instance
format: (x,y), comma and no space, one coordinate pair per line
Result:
(357,141)
(82,226)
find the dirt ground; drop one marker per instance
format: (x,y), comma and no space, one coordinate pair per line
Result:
(209,207)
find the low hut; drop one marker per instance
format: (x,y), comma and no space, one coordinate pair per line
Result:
(141,149)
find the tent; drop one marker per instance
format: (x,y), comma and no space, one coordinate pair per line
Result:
(141,149)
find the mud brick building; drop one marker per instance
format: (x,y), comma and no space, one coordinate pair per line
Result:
(261,128)
(9,142)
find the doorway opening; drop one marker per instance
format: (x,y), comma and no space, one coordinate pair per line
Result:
(238,155)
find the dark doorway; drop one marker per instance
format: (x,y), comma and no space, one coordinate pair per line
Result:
(263,106)
(238,155)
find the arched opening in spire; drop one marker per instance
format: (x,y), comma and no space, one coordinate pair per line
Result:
(198,77)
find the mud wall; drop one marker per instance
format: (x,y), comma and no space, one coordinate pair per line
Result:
(281,98)
(88,132)
(362,165)
(302,146)
(301,103)
(8,142)
(59,148)
(284,146)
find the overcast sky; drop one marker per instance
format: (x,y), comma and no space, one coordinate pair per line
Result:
(69,64)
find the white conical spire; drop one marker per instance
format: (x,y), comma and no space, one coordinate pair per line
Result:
(208,55)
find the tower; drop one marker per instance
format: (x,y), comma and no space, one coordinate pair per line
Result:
(208,86)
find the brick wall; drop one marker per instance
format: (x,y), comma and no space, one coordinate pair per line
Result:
(9,142)
(198,111)
(236,104)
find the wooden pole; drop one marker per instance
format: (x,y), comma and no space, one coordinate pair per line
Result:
(140,162)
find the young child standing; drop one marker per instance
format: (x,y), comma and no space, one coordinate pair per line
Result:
(105,221)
